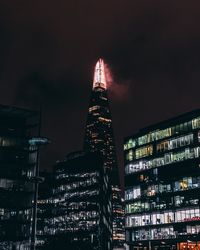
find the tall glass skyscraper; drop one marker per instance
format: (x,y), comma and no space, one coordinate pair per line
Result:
(99,137)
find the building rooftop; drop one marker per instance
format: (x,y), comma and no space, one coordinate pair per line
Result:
(11,111)
(166,123)
(81,162)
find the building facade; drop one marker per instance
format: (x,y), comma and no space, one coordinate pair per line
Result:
(18,161)
(78,211)
(162,185)
(45,209)
(99,137)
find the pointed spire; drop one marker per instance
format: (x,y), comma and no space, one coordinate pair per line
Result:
(99,75)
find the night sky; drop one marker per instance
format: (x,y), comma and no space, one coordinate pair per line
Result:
(48,50)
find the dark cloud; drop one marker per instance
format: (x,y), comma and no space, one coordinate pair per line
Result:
(48,51)
(38,88)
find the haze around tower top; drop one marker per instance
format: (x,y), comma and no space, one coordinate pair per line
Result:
(103,78)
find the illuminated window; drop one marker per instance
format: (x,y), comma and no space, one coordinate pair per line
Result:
(143,140)
(196,123)
(163,146)
(164,133)
(129,155)
(144,151)
(187,153)
(135,167)
(187,215)
(133,193)
(102,119)
(130,144)
(137,207)
(94,108)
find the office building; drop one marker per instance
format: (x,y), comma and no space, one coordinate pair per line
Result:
(162,184)
(18,162)
(45,209)
(79,207)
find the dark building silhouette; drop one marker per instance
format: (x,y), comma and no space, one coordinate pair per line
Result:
(99,137)
(77,212)
(162,185)
(45,209)
(17,169)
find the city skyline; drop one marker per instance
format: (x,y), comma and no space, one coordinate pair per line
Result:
(113,88)
(152,50)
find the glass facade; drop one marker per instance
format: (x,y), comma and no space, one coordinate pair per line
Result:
(99,137)
(162,133)
(17,160)
(169,158)
(162,185)
(75,207)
